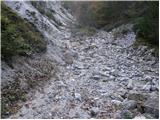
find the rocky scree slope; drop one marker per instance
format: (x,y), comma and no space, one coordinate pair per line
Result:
(28,73)
(45,25)
(101,76)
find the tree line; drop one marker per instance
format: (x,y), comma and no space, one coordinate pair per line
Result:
(111,14)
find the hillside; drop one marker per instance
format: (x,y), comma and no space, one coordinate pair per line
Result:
(55,67)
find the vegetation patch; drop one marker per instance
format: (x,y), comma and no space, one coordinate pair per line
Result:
(81,31)
(41,6)
(122,30)
(11,95)
(146,42)
(87,31)
(21,38)
(30,76)
(147,27)
(18,36)
(108,15)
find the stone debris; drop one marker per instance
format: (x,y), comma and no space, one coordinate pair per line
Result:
(103,66)
(108,77)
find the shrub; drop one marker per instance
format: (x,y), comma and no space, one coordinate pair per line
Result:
(148,26)
(18,36)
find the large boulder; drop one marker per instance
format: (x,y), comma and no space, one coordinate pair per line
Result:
(152,106)
(130,84)
(68,57)
(129,104)
(94,111)
(126,114)
(137,96)
(140,117)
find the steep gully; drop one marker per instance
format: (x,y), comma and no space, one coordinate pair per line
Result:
(101,76)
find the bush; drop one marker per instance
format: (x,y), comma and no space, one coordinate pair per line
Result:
(11,94)
(18,36)
(107,15)
(148,26)
(87,31)
(103,13)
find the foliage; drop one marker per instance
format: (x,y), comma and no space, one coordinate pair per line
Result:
(102,13)
(41,7)
(148,26)
(18,36)
(87,31)
(26,79)
(11,94)
(108,15)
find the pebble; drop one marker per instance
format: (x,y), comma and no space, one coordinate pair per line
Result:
(116,102)
(147,87)
(94,111)
(130,84)
(96,77)
(78,96)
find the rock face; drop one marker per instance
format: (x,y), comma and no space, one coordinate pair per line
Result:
(104,81)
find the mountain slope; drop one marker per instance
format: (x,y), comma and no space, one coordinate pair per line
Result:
(80,76)
(29,67)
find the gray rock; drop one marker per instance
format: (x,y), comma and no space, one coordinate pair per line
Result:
(155,81)
(126,114)
(111,77)
(96,77)
(104,74)
(61,84)
(115,96)
(72,113)
(118,115)
(148,78)
(147,87)
(152,106)
(78,96)
(129,104)
(148,116)
(116,102)
(130,84)
(154,88)
(94,111)
(136,96)
(140,117)
(68,57)
(80,65)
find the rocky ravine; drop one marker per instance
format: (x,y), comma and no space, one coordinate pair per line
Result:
(101,76)
(104,80)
